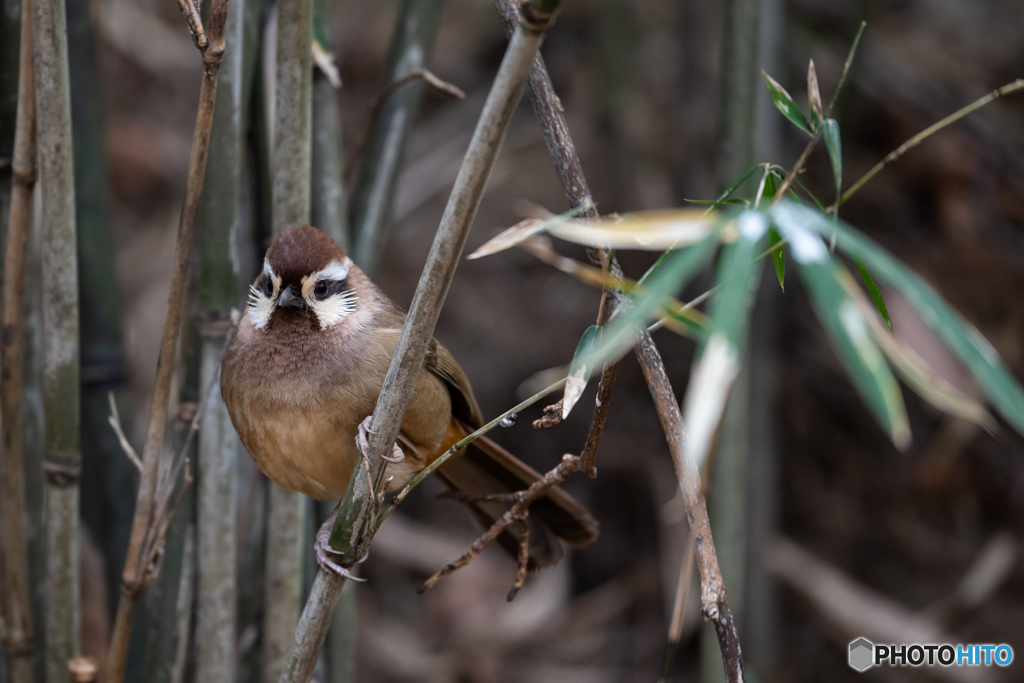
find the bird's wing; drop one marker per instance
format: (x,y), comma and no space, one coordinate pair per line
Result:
(464,406)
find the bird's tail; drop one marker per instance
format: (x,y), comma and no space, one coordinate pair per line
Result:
(485,468)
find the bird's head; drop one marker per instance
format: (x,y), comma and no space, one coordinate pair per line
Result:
(306,277)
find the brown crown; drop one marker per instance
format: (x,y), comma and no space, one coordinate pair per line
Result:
(300,251)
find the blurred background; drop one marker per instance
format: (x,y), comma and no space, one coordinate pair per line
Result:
(834,532)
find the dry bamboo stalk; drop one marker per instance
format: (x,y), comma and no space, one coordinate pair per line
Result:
(292,161)
(16,605)
(137,569)
(356,516)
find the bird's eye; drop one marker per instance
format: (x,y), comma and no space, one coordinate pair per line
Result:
(321,289)
(266,286)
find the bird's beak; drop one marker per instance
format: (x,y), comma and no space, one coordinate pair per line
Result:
(288,299)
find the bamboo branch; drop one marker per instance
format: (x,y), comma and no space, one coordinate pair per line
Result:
(356,516)
(372,204)
(293,120)
(713,601)
(137,571)
(17,637)
(62,455)
(894,155)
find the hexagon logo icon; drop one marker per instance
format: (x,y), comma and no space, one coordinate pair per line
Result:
(862,654)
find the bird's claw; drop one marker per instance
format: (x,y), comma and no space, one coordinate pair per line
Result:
(363,444)
(323,550)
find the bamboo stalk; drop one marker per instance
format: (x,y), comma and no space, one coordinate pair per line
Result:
(62,457)
(329,212)
(356,516)
(137,569)
(412,46)
(16,604)
(291,205)
(106,473)
(328,205)
(220,217)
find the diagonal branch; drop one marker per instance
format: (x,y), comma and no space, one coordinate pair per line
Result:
(714,604)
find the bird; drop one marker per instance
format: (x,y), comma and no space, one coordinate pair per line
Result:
(301,378)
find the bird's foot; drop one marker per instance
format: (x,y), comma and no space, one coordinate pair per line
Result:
(323,549)
(363,443)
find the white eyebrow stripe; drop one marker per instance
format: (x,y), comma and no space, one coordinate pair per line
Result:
(333,271)
(267,270)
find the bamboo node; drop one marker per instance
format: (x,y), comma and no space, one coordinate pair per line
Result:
(61,473)
(535,19)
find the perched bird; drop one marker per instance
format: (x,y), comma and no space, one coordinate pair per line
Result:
(303,375)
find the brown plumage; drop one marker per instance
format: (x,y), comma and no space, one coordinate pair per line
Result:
(307,367)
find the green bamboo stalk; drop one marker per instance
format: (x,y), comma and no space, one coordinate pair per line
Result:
(106,472)
(329,209)
(356,517)
(17,637)
(329,212)
(220,216)
(412,46)
(62,463)
(727,501)
(291,196)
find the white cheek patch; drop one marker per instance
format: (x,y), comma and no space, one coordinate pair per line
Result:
(333,309)
(260,306)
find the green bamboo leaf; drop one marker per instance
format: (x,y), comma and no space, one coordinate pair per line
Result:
(786,105)
(718,361)
(835,152)
(876,295)
(842,319)
(915,371)
(724,197)
(962,338)
(641,305)
(579,369)
(778,257)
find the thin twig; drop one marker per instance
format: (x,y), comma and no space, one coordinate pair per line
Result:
(382,98)
(17,609)
(115,422)
(136,570)
(894,155)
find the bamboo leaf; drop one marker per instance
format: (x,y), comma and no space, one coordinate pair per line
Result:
(786,105)
(835,152)
(724,197)
(915,371)
(876,295)
(647,230)
(579,369)
(814,95)
(962,338)
(843,320)
(718,362)
(778,257)
(645,301)
(524,230)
